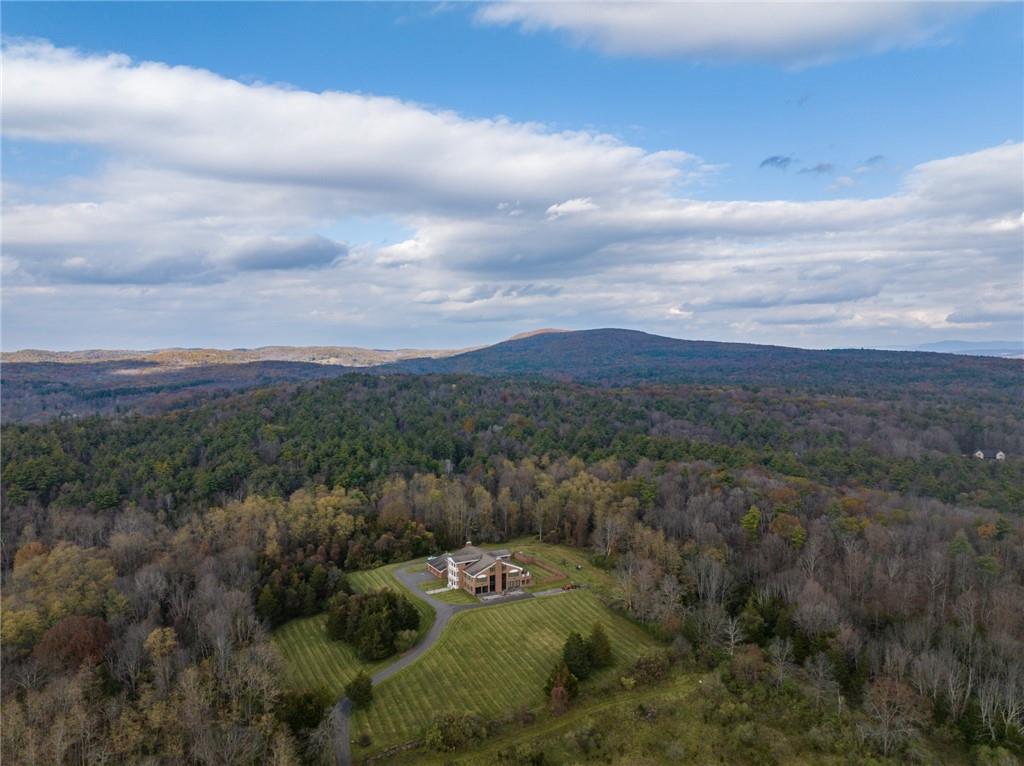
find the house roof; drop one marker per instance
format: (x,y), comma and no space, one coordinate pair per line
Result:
(467,554)
(486,562)
(475,559)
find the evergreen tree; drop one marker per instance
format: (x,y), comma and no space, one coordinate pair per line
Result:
(599,648)
(360,690)
(268,607)
(576,654)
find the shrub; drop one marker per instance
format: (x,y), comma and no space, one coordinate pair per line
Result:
(748,664)
(451,731)
(589,739)
(522,755)
(524,716)
(405,640)
(559,700)
(303,710)
(984,755)
(650,668)
(561,676)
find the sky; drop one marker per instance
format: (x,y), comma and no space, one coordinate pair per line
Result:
(444,175)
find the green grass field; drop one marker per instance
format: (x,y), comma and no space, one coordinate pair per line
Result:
(606,713)
(563,559)
(456,596)
(491,661)
(312,661)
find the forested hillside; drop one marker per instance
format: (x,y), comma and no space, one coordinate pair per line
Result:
(40,390)
(807,547)
(616,357)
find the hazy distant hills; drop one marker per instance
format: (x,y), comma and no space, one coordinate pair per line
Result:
(39,385)
(1005,349)
(349,356)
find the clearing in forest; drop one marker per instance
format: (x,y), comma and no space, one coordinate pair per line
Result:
(491,661)
(313,661)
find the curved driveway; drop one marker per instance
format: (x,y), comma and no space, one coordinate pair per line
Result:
(443,613)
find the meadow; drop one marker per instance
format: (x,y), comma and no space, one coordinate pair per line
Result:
(312,661)
(491,661)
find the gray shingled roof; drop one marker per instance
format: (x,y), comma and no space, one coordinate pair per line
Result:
(469,553)
(477,560)
(485,562)
(438,562)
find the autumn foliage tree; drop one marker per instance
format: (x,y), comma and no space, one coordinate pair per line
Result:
(561,676)
(894,710)
(73,641)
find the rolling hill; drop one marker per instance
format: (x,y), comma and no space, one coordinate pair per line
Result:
(84,383)
(620,357)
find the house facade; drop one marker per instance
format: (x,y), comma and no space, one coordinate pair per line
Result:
(983,455)
(479,572)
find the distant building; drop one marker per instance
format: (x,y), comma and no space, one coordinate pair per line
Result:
(478,572)
(988,455)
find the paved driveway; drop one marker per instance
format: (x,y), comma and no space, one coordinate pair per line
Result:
(443,613)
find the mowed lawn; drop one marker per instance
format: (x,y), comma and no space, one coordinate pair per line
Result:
(491,661)
(312,661)
(564,560)
(456,596)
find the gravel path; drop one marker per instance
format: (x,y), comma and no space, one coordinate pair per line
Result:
(443,613)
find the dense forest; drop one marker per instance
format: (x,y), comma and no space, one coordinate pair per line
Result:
(118,383)
(846,547)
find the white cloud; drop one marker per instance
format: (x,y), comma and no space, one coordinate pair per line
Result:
(369,151)
(232,200)
(571,206)
(796,33)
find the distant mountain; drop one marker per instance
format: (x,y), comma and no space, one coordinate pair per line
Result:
(348,356)
(41,385)
(1006,349)
(531,333)
(620,357)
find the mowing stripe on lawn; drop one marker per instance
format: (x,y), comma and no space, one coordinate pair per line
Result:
(313,661)
(490,661)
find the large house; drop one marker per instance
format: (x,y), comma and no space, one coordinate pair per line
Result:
(982,455)
(478,571)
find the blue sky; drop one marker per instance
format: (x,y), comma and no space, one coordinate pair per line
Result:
(857,239)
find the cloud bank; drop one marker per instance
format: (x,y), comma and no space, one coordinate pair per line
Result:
(242,201)
(791,33)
